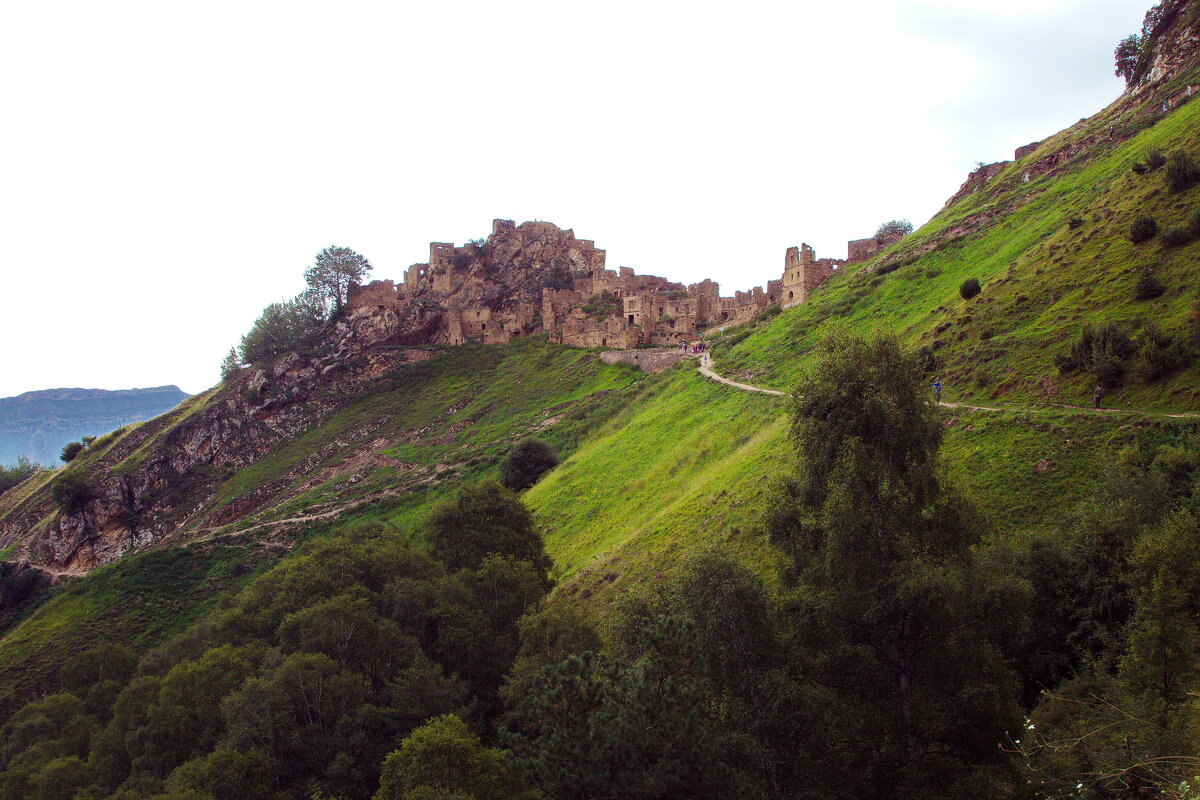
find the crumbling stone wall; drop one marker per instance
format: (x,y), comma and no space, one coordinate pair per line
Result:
(862,249)
(1025,150)
(978,178)
(382,294)
(645,360)
(803,272)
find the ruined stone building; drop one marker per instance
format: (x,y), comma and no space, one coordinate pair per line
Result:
(537,278)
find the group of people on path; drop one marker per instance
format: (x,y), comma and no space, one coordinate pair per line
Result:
(696,348)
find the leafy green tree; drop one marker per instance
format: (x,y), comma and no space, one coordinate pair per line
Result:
(70,451)
(104,662)
(230,365)
(351,632)
(224,774)
(72,491)
(444,756)
(292,714)
(13,474)
(891,606)
(895,227)
(547,635)
(1160,665)
(59,778)
(480,520)
(1147,286)
(283,327)
(184,721)
(1182,171)
(1102,350)
(476,613)
(525,463)
(602,729)
(332,273)
(1127,55)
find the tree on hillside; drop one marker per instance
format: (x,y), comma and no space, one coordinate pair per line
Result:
(526,463)
(13,474)
(334,270)
(70,451)
(1127,54)
(895,227)
(230,364)
(481,520)
(899,622)
(446,760)
(283,327)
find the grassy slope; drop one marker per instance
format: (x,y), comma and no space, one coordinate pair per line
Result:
(1041,279)
(486,397)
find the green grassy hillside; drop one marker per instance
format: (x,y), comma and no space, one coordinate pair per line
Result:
(1052,252)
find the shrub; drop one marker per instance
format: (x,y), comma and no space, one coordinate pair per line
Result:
(443,759)
(479,521)
(603,305)
(1182,172)
(70,450)
(525,463)
(230,365)
(1144,228)
(969,288)
(1155,159)
(1147,286)
(1139,168)
(283,327)
(927,359)
(1160,354)
(1176,236)
(16,586)
(1075,222)
(895,227)
(72,492)
(10,476)
(1102,351)
(1193,224)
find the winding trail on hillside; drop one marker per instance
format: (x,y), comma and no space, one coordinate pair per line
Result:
(705,368)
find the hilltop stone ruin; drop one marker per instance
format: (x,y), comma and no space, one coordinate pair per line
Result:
(538,278)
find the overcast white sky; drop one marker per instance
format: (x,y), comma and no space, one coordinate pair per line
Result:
(168,169)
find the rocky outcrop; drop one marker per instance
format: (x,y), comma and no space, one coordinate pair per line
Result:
(977,180)
(1171,45)
(150,482)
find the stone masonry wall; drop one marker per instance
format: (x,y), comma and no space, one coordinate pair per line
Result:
(645,360)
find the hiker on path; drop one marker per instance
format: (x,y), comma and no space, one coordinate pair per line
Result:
(1096,396)
(937,390)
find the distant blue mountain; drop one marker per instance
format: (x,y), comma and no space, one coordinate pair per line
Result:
(38,424)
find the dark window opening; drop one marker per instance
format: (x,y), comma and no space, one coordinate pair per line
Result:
(631,319)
